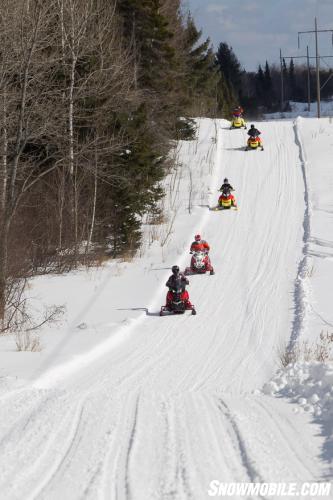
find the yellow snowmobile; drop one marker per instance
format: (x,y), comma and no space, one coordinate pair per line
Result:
(254,143)
(237,122)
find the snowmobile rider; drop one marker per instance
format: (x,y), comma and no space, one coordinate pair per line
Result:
(199,245)
(226,188)
(253,132)
(173,283)
(238,112)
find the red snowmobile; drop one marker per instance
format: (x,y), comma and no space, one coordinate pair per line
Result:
(200,264)
(177,301)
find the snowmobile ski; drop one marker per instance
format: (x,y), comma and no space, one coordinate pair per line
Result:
(222,209)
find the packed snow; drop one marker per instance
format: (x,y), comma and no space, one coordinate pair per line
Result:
(122,404)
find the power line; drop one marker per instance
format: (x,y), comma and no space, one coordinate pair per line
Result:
(307,57)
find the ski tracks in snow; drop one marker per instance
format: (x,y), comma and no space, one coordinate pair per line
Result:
(173,407)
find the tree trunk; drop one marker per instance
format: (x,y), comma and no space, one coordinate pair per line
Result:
(3,270)
(92,226)
(3,211)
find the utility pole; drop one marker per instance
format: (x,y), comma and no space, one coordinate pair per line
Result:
(317,70)
(282,86)
(309,88)
(316,31)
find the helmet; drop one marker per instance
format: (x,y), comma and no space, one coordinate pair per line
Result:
(175,269)
(225,180)
(252,126)
(197,237)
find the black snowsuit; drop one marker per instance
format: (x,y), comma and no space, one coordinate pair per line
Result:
(173,281)
(226,188)
(253,132)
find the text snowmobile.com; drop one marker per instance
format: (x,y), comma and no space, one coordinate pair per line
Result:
(312,490)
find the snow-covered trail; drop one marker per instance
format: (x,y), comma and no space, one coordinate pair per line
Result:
(175,406)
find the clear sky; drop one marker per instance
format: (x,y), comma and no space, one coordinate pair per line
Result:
(257,29)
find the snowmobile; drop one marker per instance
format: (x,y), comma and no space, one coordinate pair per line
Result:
(177,305)
(200,264)
(254,143)
(226,201)
(237,122)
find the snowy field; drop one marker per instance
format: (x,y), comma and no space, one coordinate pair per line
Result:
(122,404)
(301,109)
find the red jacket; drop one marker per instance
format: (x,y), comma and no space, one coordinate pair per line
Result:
(238,111)
(200,246)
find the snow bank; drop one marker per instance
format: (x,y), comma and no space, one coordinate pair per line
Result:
(310,385)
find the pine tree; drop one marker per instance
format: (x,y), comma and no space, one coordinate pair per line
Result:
(201,75)
(260,85)
(230,67)
(146,124)
(268,90)
(267,78)
(149,34)
(291,80)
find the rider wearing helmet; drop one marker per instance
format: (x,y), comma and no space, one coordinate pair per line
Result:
(199,245)
(238,111)
(254,137)
(253,132)
(237,118)
(176,275)
(226,187)
(172,283)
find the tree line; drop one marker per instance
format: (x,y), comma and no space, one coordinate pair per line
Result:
(260,91)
